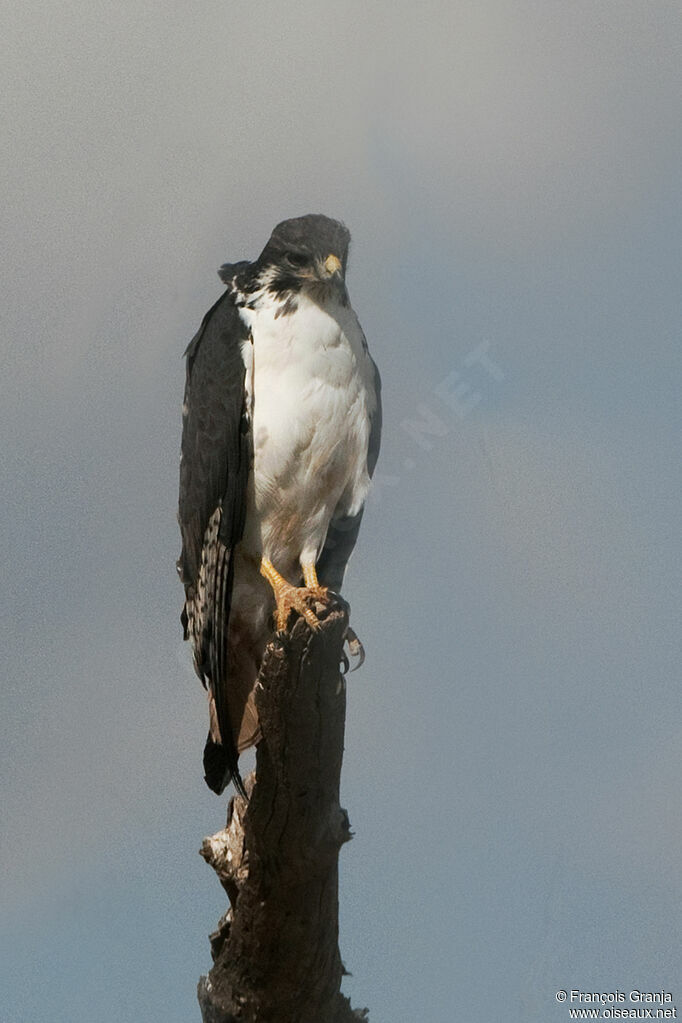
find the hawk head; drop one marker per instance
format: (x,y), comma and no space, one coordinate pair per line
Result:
(307,252)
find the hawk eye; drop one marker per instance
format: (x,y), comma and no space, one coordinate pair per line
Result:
(296,259)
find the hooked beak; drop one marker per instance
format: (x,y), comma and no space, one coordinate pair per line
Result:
(330,267)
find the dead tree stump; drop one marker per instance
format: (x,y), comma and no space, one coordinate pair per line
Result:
(276,954)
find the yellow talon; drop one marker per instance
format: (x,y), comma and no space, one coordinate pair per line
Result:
(293,598)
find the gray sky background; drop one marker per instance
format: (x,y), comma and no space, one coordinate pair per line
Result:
(511,177)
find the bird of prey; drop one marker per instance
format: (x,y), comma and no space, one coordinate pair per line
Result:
(281,432)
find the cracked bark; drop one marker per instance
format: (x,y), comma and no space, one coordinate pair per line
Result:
(276,954)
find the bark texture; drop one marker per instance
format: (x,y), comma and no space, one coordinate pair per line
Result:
(276,954)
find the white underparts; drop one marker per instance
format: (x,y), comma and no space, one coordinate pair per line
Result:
(310,383)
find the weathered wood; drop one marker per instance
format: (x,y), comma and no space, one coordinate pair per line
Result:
(276,953)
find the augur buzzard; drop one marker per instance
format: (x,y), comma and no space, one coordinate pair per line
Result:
(281,430)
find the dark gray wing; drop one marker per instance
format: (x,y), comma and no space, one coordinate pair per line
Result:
(230,273)
(214,470)
(343,531)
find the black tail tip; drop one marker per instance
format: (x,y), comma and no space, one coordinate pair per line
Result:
(220,769)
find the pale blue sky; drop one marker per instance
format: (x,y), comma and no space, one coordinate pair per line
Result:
(511,177)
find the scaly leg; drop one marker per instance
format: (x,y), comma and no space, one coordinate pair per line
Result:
(312,582)
(292,598)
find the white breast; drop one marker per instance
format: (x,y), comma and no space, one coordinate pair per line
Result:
(313,395)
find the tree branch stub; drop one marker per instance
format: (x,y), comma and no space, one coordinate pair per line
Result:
(276,954)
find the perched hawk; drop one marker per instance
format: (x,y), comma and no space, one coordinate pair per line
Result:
(281,429)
